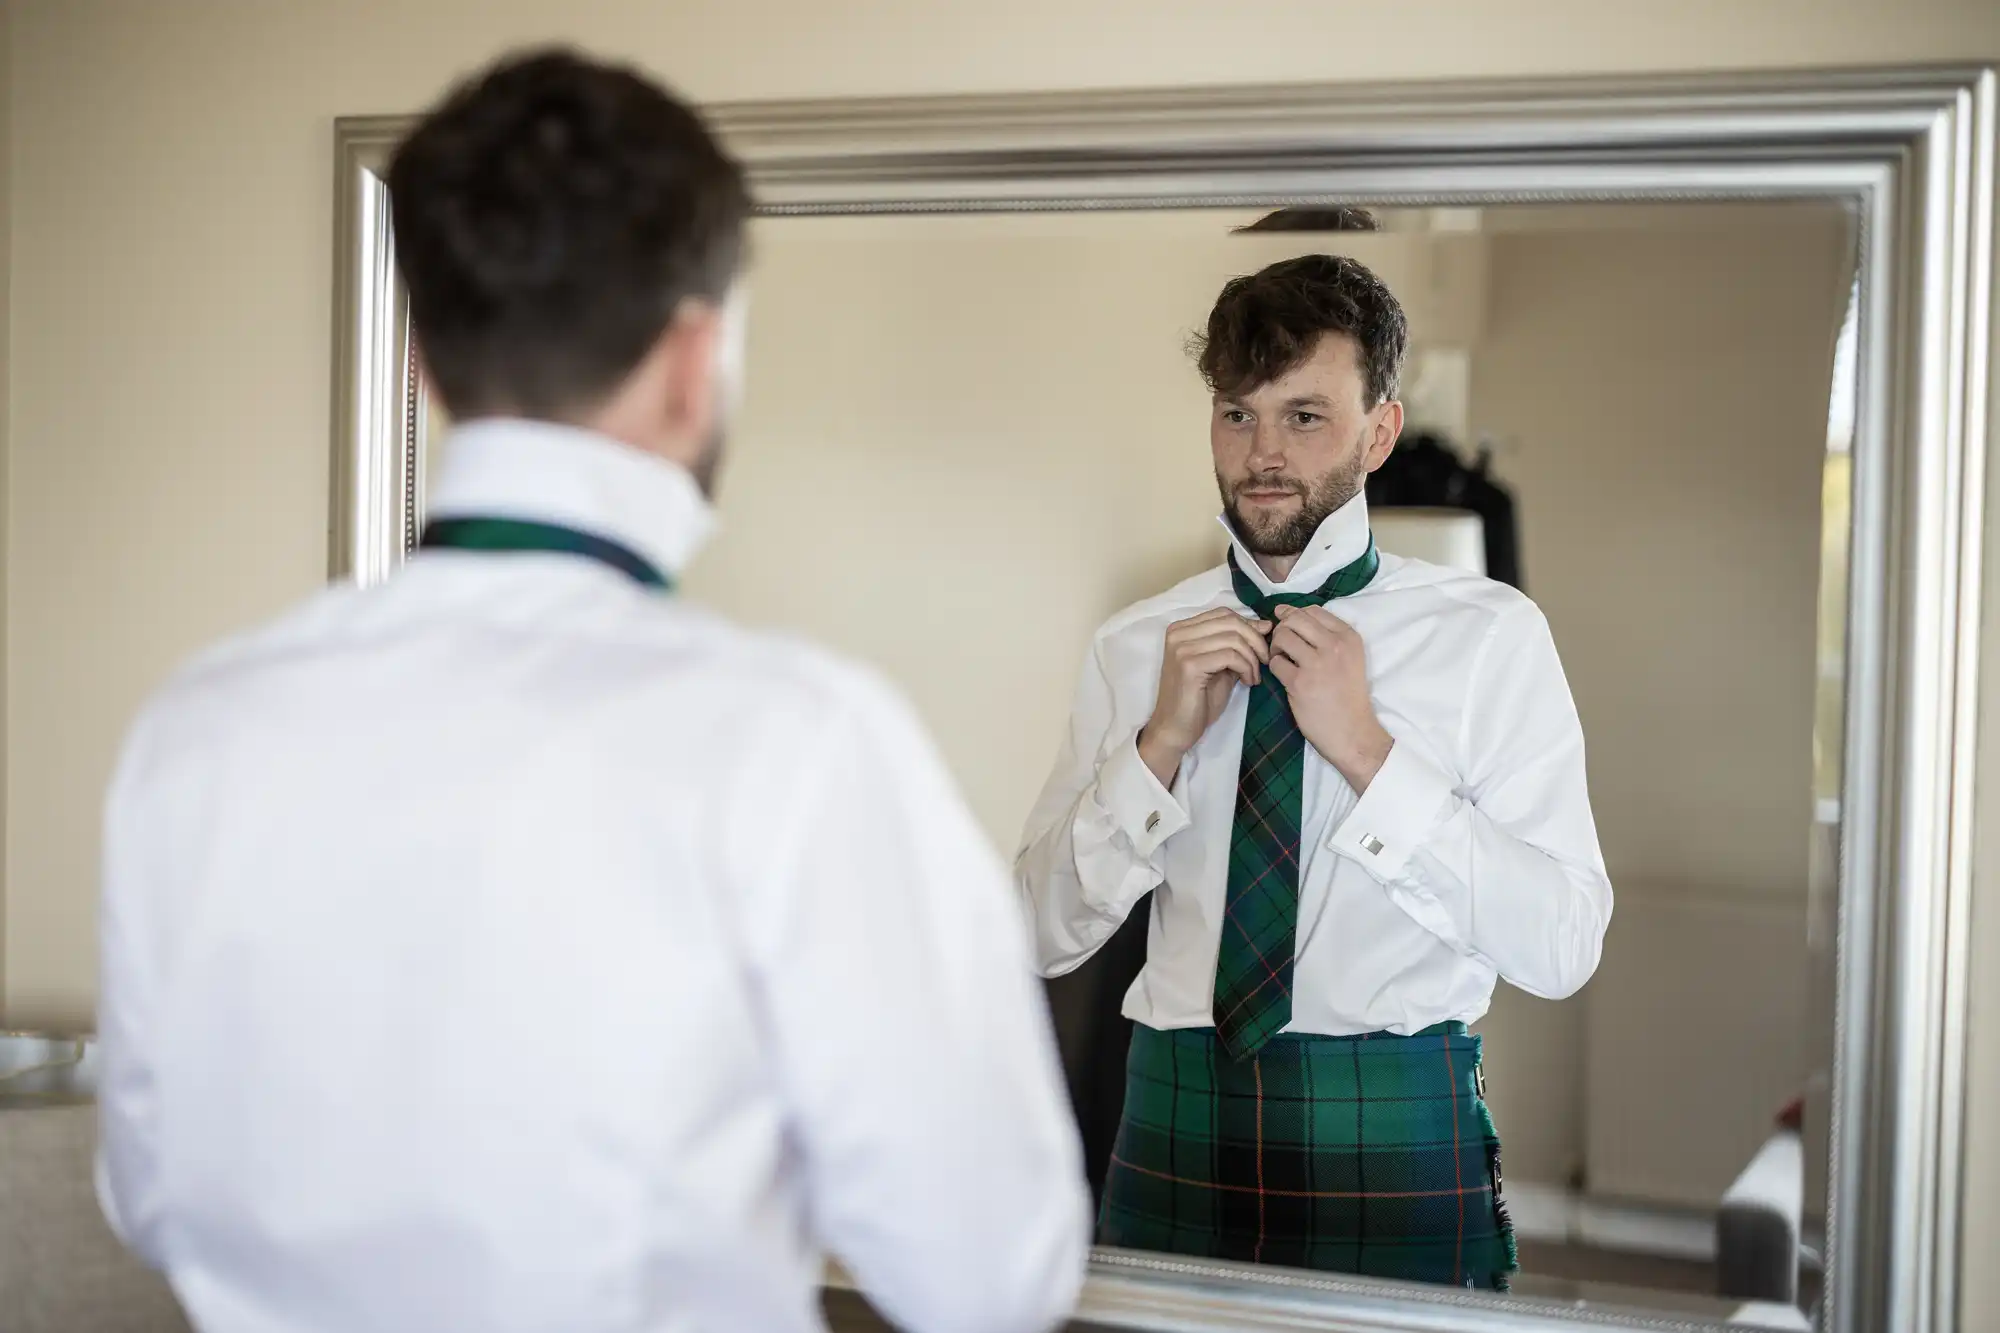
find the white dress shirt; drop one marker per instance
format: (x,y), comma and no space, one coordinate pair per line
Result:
(512,948)
(1472,854)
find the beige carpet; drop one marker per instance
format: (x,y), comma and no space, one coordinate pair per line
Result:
(61,1270)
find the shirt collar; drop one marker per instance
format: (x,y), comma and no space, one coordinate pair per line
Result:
(1341,539)
(549,473)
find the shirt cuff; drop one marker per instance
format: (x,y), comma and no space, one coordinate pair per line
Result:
(1145,811)
(1408,798)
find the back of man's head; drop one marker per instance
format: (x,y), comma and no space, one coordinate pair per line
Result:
(552,216)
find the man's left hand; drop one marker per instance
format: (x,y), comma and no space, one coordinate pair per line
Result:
(1320,660)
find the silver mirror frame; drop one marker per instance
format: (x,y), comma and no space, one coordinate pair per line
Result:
(1910,151)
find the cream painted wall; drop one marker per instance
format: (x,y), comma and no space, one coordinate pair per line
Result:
(987,434)
(1697,411)
(171,222)
(1674,456)
(980,437)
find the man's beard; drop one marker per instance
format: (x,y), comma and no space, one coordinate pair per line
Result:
(1268,534)
(729,377)
(709,463)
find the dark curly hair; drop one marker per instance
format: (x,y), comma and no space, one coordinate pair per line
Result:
(1270,322)
(550,216)
(1332,217)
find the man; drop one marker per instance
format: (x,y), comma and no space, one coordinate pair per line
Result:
(1355,787)
(515,947)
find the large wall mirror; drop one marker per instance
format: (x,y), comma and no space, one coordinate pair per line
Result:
(1700,367)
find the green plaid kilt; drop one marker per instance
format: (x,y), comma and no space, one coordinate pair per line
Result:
(1372,1154)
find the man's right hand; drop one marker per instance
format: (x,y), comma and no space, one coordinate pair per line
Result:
(1206,655)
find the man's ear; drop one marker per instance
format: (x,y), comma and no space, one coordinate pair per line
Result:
(733,350)
(680,373)
(1388,429)
(668,405)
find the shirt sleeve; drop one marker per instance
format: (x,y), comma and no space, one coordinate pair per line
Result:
(914,1042)
(1092,848)
(1504,866)
(127,1169)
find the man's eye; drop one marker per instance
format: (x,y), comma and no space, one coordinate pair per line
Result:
(1235,416)
(1306,419)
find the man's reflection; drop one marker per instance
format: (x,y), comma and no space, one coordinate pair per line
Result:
(1357,784)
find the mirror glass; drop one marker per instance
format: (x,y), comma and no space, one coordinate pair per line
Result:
(970,441)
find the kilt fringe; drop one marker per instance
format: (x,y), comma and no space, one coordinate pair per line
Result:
(1500,1213)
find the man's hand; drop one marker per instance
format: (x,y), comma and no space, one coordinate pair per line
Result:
(1319,659)
(1206,656)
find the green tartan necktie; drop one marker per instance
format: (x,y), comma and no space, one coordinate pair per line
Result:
(1260,918)
(515,534)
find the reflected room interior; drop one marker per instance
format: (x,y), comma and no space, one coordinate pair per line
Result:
(1636,413)
(1639,414)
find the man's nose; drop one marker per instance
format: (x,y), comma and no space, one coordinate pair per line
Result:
(1267,450)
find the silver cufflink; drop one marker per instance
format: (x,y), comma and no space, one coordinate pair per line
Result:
(1152,821)
(1371,845)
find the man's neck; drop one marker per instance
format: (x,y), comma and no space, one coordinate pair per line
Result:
(1277,568)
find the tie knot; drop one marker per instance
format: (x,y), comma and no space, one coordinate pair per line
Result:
(1267,606)
(1345,581)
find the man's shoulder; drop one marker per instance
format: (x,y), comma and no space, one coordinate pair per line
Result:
(1190,597)
(671,646)
(282,637)
(806,673)
(695,653)
(204,689)
(1453,590)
